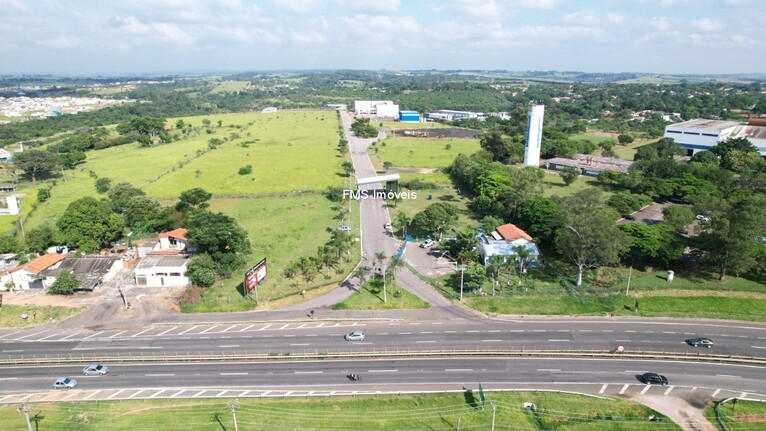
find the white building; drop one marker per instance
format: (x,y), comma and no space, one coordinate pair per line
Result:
(701,135)
(9,205)
(162,271)
(450,115)
(172,242)
(378,108)
(503,241)
(534,135)
(29,275)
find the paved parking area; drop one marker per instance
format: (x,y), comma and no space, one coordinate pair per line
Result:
(427,261)
(651,214)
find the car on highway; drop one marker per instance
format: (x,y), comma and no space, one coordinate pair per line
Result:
(427,243)
(354,336)
(654,379)
(388,227)
(95,370)
(64,383)
(700,342)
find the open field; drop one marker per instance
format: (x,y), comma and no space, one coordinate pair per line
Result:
(10,315)
(555,185)
(423,152)
(230,86)
(625,152)
(745,415)
(370,297)
(437,411)
(423,125)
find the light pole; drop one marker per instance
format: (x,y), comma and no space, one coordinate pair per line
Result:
(462,270)
(383,273)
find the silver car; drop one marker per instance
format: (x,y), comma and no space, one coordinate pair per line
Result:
(64,383)
(95,370)
(355,336)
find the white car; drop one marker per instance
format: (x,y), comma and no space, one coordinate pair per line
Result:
(64,383)
(702,217)
(355,336)
(95,370)
(388,227)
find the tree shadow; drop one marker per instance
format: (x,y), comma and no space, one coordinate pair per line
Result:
(469,398)
(36,420)
(217,418)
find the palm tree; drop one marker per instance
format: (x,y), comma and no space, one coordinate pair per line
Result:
(380,257)
(361,273)
(523,255)
(496,264)
(402,221)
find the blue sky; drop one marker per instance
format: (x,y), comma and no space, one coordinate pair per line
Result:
(135,36)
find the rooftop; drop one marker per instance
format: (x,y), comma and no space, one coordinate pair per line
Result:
(701,123)
(593,163)
(179,233)
(40,263)
(88,270)
(510,232)
(149,262)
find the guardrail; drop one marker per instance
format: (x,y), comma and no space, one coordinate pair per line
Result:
(223,356)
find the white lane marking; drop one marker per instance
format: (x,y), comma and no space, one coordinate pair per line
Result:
(92,394)
(516,330)
(382,333)
(309,372)
(178,393)
(457,370)
(71,394)
(285,326)
(646,388)
(115,394)
(139,391)
(743,395)
(557,340)
(290,335)
(221,393)
(405,333)
(630,332)
(539,330)
(145,330)
(716,392)
(209,329)
(93,335)
(383,371)
(165,332)
(491,341)
(429,332)
(228,345)
(9,378)
(471,332)
(607,330)
(757,347)
(669,332)
(9,334)
(159,375)
(49,336)
(230,327)
(244,393)
(150,347)
(668,390)
(491,330)
(603,388)
(585,330)
(12,351)
(119,333)
(450,332)
(199,393)
(157,393)
(623,341)
(319,325)
(246,328)
(190,329)
(301,327)
(728,375)
(550,370)
(117,348)
(233,374)
(265,327)
(425,341)
(265,393)
(624,388)
(36,333)
(300,344)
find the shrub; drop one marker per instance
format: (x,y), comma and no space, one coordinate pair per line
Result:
(66,283)
(245,170)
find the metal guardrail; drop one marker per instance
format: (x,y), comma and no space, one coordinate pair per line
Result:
(222,356)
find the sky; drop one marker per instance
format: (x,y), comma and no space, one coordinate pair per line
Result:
(87,37)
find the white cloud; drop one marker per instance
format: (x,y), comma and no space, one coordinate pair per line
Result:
(584,17)
(159,31)
(370,7)
(707,24)
(300,7)
(60,42)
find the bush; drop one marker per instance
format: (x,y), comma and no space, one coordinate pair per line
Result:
(66,283)
(43,195)
(103,184)
(245,170)
(202,270)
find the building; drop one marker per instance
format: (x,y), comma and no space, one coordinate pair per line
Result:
(162,271)
(377,108)
(172,242)
(270,110)
(534,135)
(701,135)
(450,115)
(90,271)
(590,165)
(503,241)
(409,116)
(9,205)
(336,106)
(29,275)
(5,155)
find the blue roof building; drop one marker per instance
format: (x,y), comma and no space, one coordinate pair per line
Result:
(409,116)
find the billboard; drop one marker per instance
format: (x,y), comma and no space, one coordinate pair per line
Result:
(255,275)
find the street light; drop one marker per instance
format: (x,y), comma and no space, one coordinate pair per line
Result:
(383,273)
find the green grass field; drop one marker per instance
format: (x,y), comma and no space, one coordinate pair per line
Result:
(370,297)
(10,315)
(423,152)
(426,125)
(554,185)
(745,416)
(429,411)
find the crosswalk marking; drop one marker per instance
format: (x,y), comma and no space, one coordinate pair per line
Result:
(115,394)
(145,330)
(246,328)
(187,330)
(93,335)
(603,388)
(624,388)
(117,334)
(165,332)
(668,390)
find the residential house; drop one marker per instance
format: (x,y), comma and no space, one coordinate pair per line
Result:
(90,271)
(503,242)
(29,275)
(173,242)
(165,271)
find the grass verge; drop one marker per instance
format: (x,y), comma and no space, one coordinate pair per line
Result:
(745,415)
(370,297)
(10,315)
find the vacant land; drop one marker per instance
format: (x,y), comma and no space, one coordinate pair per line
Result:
(370,297)
(438,411)
(11,315)
(745,415)
(422,152)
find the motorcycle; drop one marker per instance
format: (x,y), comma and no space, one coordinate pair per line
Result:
(354,377)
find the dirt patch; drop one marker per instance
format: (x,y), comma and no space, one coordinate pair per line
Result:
(688,293)
(410,170)
(435,133)
(192,295)
(686,413)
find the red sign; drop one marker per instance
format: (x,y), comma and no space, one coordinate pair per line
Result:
(255,275)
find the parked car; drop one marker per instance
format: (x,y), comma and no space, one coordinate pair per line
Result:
(388,227)
(427,243)
(654,379)
(703,217)
(700,341)
(95,370)
(355,336)
(629,217)
(64,383)
(344,228)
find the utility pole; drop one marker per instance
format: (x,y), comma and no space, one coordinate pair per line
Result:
(24,408)
(493,417)
(630,272)
(233,408)
(384,286)
(462,270)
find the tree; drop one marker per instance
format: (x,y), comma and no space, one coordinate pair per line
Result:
(706,157)
(40,238)
(90,224)
(103,184)
(220,236)
(348,168)
(363,129)
(540,217)
(395,265)
(36,162)
(65,284)
(202,270)
(526,184)
(9,244)
(195,198)
(523,256)
(147,128)
(463,247)
(245,170)
(678,217)
(589,236)
(625,139)
(490,223)
(121,194)
(569,174)
(474,276)
(499,146)
(438,217)
(146,215)
(180,124)
(732,149)
(403,222)
(496,265)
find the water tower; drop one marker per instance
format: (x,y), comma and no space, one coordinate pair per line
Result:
(534,134)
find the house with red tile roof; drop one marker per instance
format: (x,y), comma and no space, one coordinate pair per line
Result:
(28,275)
(506,241)
(172,242)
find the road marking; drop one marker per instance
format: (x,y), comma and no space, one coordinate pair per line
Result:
(516,330)
(623,341)
(300,344)
(557,340)
(668,390)
(606,330)
(449,332)
(425,341)
(318,326)
(550,370)
(190,329)
(230,327)
(209,329)
(646,388)
(119,333)
(265,393)
(9,378)
(743,395)
(233,374)
(290,335)
(139,391)
(492,330)
(36,333)
(491,341)
(178,393)
(624,388)
(221,393)
(145,330)
(12,351)
(115,394)
(265,327)
(93,335)
(471,332)
(429,332)
(309,372)
(49,336)
(716,392)
(9,334)
(244,393)
(159,375)
(301,327)
(757,347)
(728,375)
(285,326)
(71,394)
(585,330)
(247,336)
(539,330)
(382,333)
(165,332)
(668,332)
(150,347)
(383,371)
(603,388)
(631,332)
(228,345)
(246,328)
(199,393)
(405,333)
(458,370)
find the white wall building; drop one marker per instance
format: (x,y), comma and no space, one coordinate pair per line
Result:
(162,271)
(28,276)
(9,205)
(534,135)
(378,108)
(450,115)
(701,135)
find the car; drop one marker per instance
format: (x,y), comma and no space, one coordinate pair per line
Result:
(355,336)
(95,370)
(700,341)
(703,217)
(427,243)
(654,379)
(345,228)
(64,383)
(628,217)
(388,227)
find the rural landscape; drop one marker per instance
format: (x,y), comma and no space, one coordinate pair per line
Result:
(441,231)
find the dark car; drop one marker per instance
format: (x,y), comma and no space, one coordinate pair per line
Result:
(628,217)
(700,342)
(654,379)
